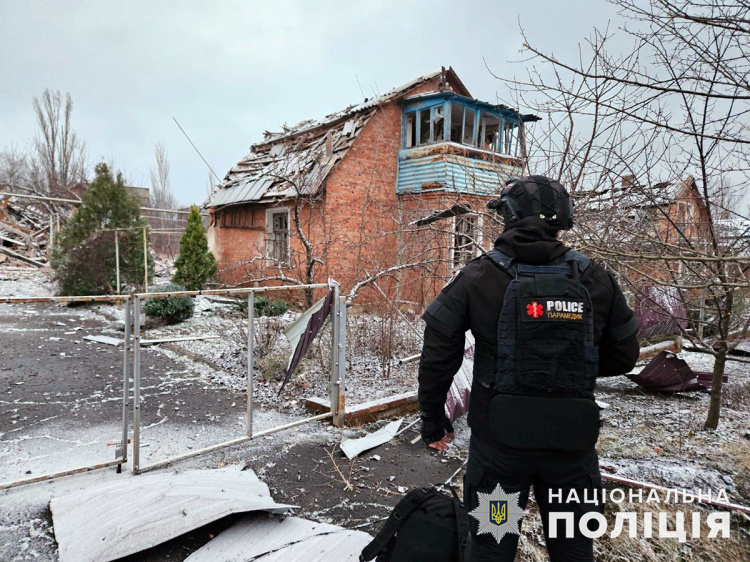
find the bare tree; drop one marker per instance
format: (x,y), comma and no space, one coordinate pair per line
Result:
(674,106)
(58,156)
(14,169)
(162,195)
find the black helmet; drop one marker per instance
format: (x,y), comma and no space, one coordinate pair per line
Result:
(535,196)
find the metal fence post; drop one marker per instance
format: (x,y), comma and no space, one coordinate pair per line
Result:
(136,384)
(125,385)
(250,359)
(341,364)
(337,328)
(117,260)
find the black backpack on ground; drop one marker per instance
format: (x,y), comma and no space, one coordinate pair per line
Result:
(425,526)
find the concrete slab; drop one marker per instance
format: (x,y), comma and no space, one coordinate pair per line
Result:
(122,518)
(269,538)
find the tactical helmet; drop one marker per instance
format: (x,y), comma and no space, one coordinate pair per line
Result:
(535,196)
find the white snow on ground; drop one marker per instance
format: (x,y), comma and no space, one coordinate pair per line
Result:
(24,282)
(646,436)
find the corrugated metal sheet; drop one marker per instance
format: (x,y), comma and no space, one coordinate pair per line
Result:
(668,373)
(454,172)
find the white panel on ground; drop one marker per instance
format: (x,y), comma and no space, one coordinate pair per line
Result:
(267,538)
(353,447)
(137,513)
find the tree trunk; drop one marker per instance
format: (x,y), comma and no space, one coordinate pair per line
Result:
(714,409)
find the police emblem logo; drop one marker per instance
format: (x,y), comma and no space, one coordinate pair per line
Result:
(557,309)
(498,513)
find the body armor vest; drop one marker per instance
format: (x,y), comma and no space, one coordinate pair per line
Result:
(545,332)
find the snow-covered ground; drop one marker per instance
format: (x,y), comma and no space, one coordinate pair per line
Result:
(194,397)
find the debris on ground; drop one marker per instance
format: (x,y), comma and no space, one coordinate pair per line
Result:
(668,373)
(113,520)
(107,340)
(24,231)
(276,539)
(353,447)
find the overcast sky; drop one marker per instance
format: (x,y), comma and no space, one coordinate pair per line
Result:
(228,71)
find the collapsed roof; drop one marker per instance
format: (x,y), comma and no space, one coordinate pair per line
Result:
(298,160)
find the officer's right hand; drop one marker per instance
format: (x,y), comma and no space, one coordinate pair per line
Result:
(437,432)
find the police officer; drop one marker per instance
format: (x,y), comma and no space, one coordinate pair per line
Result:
(546,321)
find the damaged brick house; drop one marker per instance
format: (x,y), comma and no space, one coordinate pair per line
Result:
(667,218)
(389,192)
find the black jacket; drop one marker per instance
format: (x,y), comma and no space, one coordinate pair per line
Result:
(473,299)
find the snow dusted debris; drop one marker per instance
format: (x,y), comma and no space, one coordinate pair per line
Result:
(22,282)
(132,515)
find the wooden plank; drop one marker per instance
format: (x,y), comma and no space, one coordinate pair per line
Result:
(272,539)
(170,340)
(16,242)
(392,406)
(675,346)
(18,230)
(14,255)
(121,518)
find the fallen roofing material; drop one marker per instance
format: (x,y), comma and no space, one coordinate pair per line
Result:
(668,373)
(308,151)
(290,539)
(118,519)
(108,340)
(353,447)
(457,401)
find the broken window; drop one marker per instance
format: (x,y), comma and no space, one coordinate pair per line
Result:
(411,129)
(465,234)
(277,222)
(469,126)
(457,122)
(489,131)
(437,123)
(424,126)
(510,138)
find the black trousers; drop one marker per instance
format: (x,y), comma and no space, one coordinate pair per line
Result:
(488,467)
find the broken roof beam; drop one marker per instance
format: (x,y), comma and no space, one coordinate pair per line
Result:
(16,256)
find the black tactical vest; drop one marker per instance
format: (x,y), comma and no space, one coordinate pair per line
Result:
(545,333)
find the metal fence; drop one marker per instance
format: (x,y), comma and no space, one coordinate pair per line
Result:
(338,363)
(132,343)
(121,453)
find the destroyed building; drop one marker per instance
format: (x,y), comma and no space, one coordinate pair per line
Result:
(391,190)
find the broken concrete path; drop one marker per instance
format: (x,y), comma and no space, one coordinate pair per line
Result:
(122,518)
(275,539)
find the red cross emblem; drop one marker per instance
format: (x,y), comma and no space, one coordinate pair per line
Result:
(535,309)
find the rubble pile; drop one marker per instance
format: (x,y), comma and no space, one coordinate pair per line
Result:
(24,231)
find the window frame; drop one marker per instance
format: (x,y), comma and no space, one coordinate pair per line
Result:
(458,255)
(416,112)
(509,129)
(270,238)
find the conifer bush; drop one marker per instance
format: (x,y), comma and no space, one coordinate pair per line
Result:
(83,258)
(172,310)
(196,264)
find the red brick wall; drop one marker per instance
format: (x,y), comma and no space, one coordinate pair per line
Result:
(354,226)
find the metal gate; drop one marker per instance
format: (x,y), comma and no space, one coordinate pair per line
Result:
(121,453)
(338,362)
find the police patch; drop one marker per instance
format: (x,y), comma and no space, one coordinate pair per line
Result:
(541,308)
